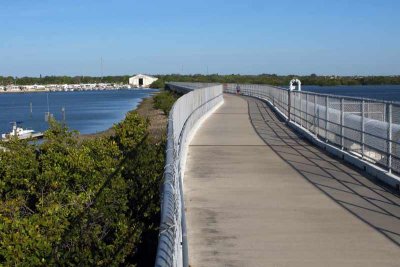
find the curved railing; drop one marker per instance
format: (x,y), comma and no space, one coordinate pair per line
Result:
(367,128)
(185,114)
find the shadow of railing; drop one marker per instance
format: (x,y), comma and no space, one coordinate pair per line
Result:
(360,194)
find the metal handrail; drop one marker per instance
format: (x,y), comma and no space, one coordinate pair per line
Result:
(172,246)
(376,139)
(372,135)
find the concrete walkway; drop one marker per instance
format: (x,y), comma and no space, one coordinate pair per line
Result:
(250,202)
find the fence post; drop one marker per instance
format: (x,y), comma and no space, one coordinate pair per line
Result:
(389,145)
(306,111)
(293,95)
(298,108)
(273,96)
(342,122)
(293,106)
(362,129)
(289,105)
(326,118)
(316,116)
(301,109)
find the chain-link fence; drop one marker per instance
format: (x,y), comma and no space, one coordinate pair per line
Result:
(367,128)
(186,112)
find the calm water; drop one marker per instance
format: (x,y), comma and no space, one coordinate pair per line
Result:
(383,92)
(87,112)
(95,111)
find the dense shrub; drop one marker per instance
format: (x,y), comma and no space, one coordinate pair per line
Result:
(159,84)
(86,203)
(165,100)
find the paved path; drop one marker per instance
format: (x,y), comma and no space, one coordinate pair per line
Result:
(268,198)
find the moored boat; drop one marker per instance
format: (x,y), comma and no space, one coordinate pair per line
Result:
(18,132)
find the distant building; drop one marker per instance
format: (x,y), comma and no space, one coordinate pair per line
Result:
(141,80)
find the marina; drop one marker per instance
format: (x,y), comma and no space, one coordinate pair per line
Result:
(62,87)
(137,81)
(88,112)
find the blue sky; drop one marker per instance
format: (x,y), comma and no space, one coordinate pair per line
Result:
(59,37)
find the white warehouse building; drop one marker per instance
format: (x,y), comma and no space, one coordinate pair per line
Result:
(141,80)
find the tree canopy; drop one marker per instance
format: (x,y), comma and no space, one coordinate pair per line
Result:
(69,202)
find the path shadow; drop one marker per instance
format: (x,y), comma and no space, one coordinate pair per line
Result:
(356,191)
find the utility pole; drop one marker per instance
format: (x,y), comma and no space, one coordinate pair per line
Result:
(101,62)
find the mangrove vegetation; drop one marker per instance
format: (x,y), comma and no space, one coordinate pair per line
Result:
(74,202)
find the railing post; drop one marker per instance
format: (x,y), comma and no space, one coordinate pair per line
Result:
(293,95)
(298,107)
(301,109)
(289,105)
(342,122)
(362,129)
(326,118)
(273,97)
(306,111)
(316,116)
(389,144)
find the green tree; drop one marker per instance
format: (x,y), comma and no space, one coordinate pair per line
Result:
(66,202)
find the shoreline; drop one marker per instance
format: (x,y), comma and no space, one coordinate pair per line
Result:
(70,91)
(144,108)
(23,92)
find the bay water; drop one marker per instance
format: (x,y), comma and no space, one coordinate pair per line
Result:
(381,92)
(86,111)
(95,111)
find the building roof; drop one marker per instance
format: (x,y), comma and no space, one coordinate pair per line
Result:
(143,75)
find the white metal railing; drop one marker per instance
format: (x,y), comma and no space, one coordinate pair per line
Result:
(186,112)
(367,128)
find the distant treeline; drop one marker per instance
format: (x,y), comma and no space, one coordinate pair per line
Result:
(272,79)
(278,80)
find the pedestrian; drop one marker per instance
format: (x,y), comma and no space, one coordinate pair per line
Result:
(238,89)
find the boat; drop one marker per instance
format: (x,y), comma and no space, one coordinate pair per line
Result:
(19,132)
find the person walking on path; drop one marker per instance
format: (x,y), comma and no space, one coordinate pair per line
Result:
(238,89)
